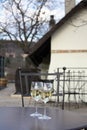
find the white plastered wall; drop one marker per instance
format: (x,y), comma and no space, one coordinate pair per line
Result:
(71,36)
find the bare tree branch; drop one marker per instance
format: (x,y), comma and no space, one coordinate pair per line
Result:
(22,24)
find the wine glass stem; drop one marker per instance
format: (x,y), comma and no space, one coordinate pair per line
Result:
(36,108)
(45,110)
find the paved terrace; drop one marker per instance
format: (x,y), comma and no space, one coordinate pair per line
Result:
(8,99)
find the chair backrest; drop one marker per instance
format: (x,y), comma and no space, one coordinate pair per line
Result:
(26,81)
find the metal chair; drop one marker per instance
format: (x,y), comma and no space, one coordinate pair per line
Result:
(44,81)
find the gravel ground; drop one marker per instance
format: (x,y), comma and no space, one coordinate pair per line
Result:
(8,99)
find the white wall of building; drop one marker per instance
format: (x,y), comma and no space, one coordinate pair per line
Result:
(71,36)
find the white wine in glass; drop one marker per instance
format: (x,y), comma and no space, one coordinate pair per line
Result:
(45,94)
(36,95)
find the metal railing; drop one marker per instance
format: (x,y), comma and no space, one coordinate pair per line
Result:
(70,83)
(73,85)
(42,76)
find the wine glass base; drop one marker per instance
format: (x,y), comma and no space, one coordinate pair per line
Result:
(44,117)
(36,114)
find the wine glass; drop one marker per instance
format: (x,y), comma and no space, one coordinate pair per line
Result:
(46,93)
(36,95)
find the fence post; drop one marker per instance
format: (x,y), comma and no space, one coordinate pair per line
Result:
(21,87)
(58,78)
(64,68)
